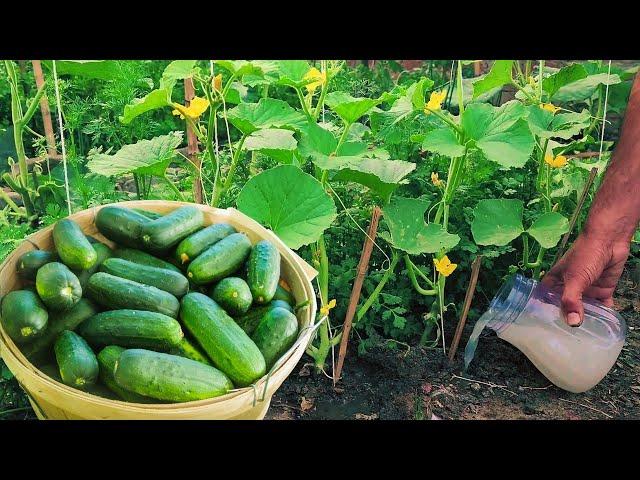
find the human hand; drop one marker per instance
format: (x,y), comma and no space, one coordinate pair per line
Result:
(592,267)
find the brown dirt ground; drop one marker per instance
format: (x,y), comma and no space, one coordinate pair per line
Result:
(501,383)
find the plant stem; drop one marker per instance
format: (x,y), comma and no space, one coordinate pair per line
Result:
(459,89)
(303,104)
(10,202)
(414,280)
(173,187)
(362,311)
(448,121)
(232,170)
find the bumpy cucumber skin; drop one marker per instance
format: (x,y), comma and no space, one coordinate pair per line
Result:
(168,280)
(275,334)
(169,377)
(284,295)
(58,287)
(107,359)
(77,363)
(119,293)
(220,260)
(250,321)
(226,344)
(24,316)
(121,225)
(188,349)
(30,262)
(72,246)
(147,213)
(232,294)
(132,328)
(264,271)
(195,244)
(158,236)
(58,322)
(103,252)
(144,258)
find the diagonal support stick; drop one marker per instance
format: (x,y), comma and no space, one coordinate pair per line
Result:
(471,290)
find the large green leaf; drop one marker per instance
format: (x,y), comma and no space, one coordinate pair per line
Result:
(349,108)
(410,233)
(584,88)
(565,76)
(497,221)
(150,157)
(176,70)
(292,72)
(571,182)
(240,68)
(317,140)
(381,176)
(290,202)
(545,124)
(500,133)
(267,113)
(467,93)
(155,99)
(499,75)
(443,141)
(100,69)
(276,143)
(548,228)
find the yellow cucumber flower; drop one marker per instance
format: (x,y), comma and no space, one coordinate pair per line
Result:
(216,83)
(435,179)
(324,310)
(557,161)
(196,107)
(444,266)
(319,78)
(435,101)
(550,107)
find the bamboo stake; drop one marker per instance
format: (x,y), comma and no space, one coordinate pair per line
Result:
(576,212)
(45,111)
(363,265)
(471,290)
(192,143)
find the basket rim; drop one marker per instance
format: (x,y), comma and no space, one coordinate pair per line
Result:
(303,271)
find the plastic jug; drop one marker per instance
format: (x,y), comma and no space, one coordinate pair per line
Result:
(527,315)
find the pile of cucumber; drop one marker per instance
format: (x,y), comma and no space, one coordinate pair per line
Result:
(176,312)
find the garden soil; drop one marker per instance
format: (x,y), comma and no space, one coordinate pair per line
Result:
(501,383)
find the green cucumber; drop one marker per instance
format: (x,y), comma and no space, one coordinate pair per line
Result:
(30,262)
(226,344)
(107,359)
(160,235)
(24,317)
(58,287)
(77,363)
(121,225)
(284,295)
(144,258)
(188,349)
(58,322)
(103,252)
(169,377)
(168,280)
(264,271)
(119,293)
(232,294)
(195,244)
(220,260)
(147,213)
(132,328)
(275,334)
(72,246)
(250,320)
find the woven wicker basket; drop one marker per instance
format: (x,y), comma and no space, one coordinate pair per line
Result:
(53,400)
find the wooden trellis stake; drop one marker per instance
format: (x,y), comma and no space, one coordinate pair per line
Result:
(471,290)
(363,265)
(192,143)
(45,110)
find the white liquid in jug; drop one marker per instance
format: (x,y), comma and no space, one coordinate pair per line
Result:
(573,358)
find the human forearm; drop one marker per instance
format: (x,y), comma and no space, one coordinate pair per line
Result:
(615,212)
